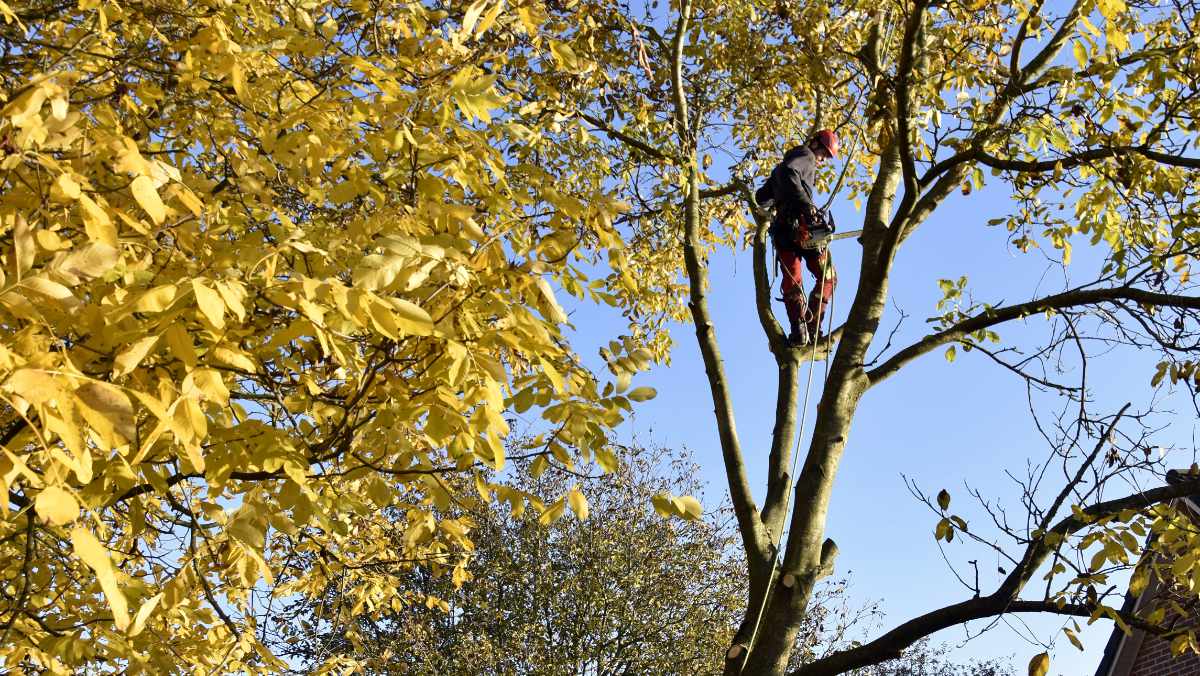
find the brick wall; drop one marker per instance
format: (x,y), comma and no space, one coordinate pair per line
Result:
(1154,659)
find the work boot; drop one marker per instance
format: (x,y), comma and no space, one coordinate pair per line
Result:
(798,335)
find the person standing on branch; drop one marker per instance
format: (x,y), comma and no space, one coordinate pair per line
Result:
(800,233)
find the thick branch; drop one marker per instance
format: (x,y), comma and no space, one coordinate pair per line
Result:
(1071,161)
(722,191)
(994,316)
(892,644)
(903,100)
(1047,54)
(753,534)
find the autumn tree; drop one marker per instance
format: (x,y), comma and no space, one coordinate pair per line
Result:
(273,272)
(276,271)
(1084,111)
(621,591)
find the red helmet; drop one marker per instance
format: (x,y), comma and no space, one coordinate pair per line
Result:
(828,141)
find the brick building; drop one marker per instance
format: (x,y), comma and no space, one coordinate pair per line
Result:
(1139,653)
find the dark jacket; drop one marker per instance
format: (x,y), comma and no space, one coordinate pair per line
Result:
(792,183)
(790,190)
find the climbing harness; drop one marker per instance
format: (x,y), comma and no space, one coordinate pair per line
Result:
(799,438)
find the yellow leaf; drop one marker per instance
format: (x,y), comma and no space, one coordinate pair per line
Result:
(33,385)
(552,373)
(156,300)
(527,20)
(180,344)
(96,222)
(24,245)
(489,19)
(662,505)
(143,614)
(1039,665)
(1110,8)
(688,507)
(147,197)
(685,507)
(211,385)
(210,303)
(107,408)
(133,355)
(642,393)
(384,320)
(65,188)
(234,358)
(411,318)
(91,261)
(472,15)
(607,460)
(579,503)
(56,506)
(50,241)
(92,553)
(554,311)
(563,54)
(189,200)
(52,290)
(1117,39)
(58,108)
(237,77)
(232,293)
(552,513)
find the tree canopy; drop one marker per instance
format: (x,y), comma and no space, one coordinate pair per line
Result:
(270,269)
(277,272)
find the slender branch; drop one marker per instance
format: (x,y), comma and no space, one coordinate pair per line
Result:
(629,139)
(994,316)
(1077,159)
(892,644)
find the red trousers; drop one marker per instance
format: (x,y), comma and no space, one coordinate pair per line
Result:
(820,264)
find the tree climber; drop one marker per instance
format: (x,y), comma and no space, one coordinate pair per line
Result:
(800,233)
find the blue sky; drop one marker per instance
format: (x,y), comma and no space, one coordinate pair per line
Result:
(941,424)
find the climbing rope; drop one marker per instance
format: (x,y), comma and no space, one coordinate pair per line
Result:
(796,451)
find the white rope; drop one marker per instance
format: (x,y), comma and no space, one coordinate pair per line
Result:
(796,451)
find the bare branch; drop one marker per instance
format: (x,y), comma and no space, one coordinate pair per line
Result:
(994,316)
(892,644)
